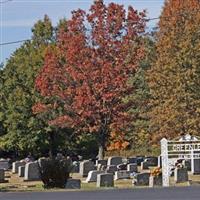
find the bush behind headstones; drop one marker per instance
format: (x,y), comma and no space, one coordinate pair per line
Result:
(55,172)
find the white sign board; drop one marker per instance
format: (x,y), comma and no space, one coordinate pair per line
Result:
(171,151)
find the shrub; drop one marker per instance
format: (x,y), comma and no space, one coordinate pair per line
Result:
(55,172)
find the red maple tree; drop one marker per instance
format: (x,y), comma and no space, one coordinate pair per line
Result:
(87,72)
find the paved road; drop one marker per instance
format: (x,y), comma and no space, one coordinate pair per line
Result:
(181,193)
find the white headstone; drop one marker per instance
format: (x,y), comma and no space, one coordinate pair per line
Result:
(16,165)
(92,176)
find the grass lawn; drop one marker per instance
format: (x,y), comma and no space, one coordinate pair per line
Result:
(17,184)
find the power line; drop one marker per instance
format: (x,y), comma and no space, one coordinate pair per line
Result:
(14,42)
(147,20)
(20,41)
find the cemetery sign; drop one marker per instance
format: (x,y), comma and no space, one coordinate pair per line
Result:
(186,147)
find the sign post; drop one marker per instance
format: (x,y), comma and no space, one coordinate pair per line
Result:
(165,162)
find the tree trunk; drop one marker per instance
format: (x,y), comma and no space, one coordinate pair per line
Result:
(102,143)
(101,152)
(52,148)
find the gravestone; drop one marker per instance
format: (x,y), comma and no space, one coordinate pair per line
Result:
(32,171)
(115,160)
(102,162)
(196,166)
(141,179)
(140,159)
(2,176)
(4,164)
(132,160)
(16,165)
(21,171)
(144,165)
(152,161)
(132,167)
(105,180)
(101,167)
(155,181)
(85,167)
(92,176)
(41,161)
(122,167)
(73,184)
(111,169)
(75,167)
(187,164)
(180,175)
(123,174)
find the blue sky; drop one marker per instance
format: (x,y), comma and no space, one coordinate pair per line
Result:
(18,16)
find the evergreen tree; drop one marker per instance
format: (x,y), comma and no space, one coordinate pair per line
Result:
(24,132)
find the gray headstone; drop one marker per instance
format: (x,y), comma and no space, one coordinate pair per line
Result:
(73,184)
(102,162)
(123,174)
(132,160)
(180,175)
(144,165)
(2,176)
(187,164)
(196,166)
(75,167)
(85,167)
(4,164)
(132,167)
(92,176)
(41,161)
(122,167)
(115,160)
(105,180)
(31,171)
(152,161)
(111,169)
(141,179)
(140,159)
(16,165)
(21,171)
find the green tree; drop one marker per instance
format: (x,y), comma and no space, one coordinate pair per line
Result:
(141,97)
(24,132)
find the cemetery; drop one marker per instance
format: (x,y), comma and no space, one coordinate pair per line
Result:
(107,97)
(169,169)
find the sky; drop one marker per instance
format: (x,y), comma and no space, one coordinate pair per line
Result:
(17,17)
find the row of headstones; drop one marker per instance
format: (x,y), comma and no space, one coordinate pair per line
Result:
(29,171)
(196,167)
(145,179)
(187,163)
(114,167)
(114,164)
